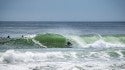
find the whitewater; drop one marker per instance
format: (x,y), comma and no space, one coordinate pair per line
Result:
(44,45)
(63,59)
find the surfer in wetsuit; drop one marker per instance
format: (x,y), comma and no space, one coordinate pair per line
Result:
(69,44)
(8,37)
(22,36)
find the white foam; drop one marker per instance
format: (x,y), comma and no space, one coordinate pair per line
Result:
(89,65)
(80,43)
(12,56)
(102,44)
(30,36)
(57,60)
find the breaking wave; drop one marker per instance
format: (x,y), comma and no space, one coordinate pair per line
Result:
(60,41)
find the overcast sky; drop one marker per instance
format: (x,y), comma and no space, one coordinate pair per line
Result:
(62,10)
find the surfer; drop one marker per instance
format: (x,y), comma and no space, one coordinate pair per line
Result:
(69,44)
(8,37)
(22,36)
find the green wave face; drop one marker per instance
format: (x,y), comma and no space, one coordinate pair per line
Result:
(21,41)
(52,40)
(49,40)
(114,39)
(89,39)
(16,43)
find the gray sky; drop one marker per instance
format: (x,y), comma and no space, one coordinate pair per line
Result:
(62,10)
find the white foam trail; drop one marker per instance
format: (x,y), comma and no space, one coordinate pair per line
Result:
(37,42)
(99,36)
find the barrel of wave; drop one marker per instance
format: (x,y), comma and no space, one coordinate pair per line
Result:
(52,40)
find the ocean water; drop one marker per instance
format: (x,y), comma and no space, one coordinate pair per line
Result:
(77,28)
(95,45)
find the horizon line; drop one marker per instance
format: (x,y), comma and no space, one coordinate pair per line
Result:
(53,21)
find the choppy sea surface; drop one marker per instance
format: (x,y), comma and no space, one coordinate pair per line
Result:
(96,46)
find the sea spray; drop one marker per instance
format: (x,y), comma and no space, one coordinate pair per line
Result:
(78,41)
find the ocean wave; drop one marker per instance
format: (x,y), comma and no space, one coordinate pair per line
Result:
(50,40)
